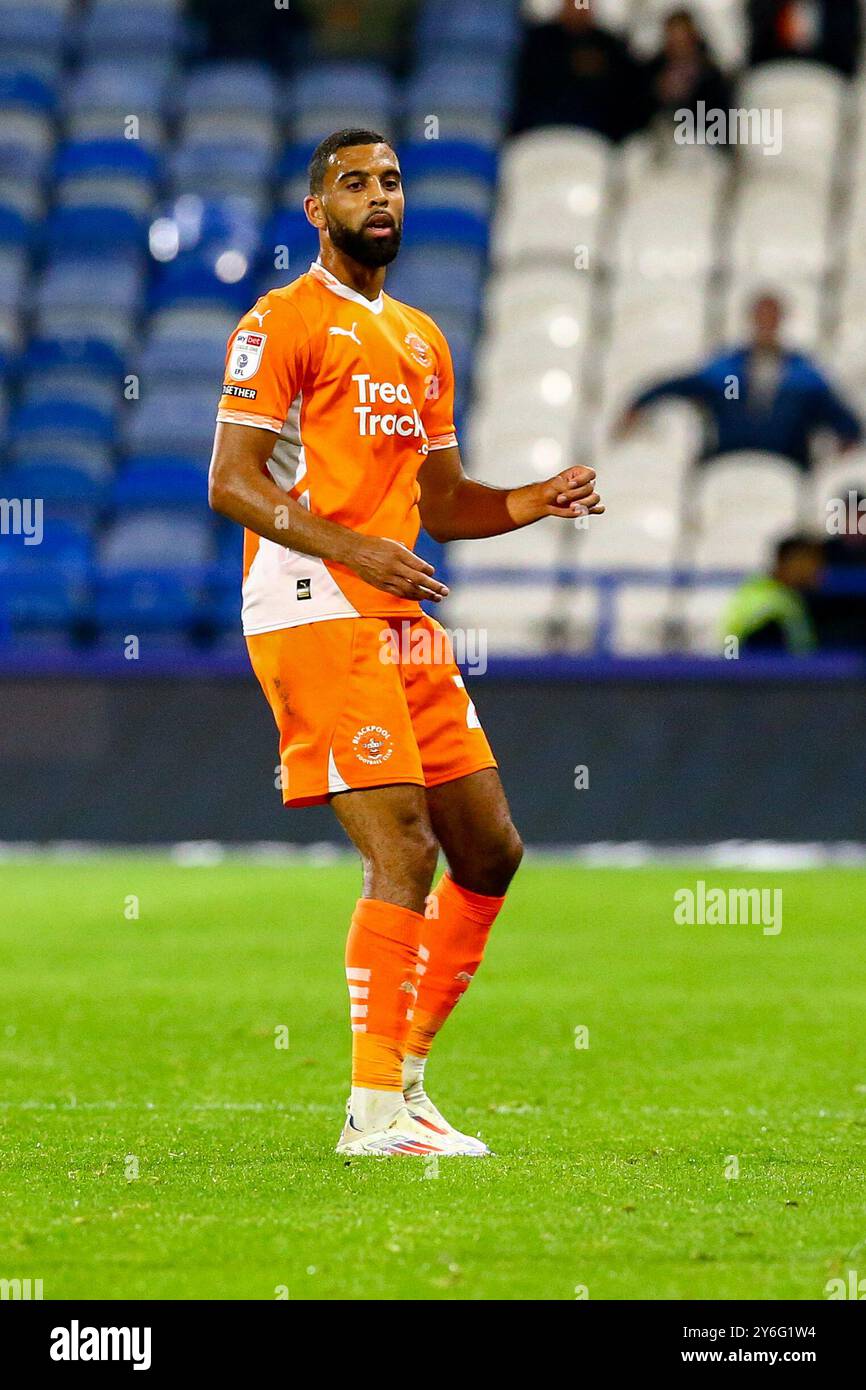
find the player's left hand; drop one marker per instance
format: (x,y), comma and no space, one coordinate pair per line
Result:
(570,494)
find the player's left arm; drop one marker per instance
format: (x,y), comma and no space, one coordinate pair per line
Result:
(454,507)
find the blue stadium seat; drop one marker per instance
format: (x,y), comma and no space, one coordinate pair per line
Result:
(14,276)
(65,541)
(41,389)
(206,228)
(109,158)
(178,419)
(85,296)
(160,481)
(68,417)
(151,572)
(60,420)
(187,281)
(446,227)
(220,168)
(470,27)
(168,358)
(60,484)
(22,90)
(44,597)
(292,234)
(33,37)
(117,89)
(151,31)
(81,281)
(193,323)
(90,230)
(160,539)
(449,174)
(146,600)
(295,160)
(220,88)
(26,127)
(17,227)
(434,278)
(471,101)
(93,356)
(331,95)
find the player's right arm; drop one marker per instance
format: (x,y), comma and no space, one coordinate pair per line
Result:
(240,488)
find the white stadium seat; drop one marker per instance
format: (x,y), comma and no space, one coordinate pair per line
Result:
(742,504)
(810,98)
(516,618)
(832,482)
(667,229)
(780,230)
(543,546)
(533,293)
(702,610)
(642,617)
(572,168)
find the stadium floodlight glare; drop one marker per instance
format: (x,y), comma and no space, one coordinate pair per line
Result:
(557,386)
(564,330)
(546,456)
(231,266)
(164,239)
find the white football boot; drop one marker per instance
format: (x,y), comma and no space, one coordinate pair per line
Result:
(407,1134)
(422,1109)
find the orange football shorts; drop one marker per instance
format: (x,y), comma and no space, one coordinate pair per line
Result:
(367,702)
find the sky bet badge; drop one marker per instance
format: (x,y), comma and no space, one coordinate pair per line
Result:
(246,355)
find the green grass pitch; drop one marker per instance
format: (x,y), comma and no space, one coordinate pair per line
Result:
(156,1143)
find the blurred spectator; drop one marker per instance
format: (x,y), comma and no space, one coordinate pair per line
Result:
(840,608)
(360,29)
(827,31)
(241,32)
(770,612)
(760,396)
(683,72)
(574,72)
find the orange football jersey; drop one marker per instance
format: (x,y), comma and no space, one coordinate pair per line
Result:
(356,392)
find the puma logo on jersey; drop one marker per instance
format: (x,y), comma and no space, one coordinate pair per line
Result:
(261,317)
(346,333)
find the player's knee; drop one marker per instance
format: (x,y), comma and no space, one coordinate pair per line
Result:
(505,858)
(421,852)
(409,852)
(488,868)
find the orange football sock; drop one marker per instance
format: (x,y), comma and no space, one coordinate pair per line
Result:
(381,960)
(453,939)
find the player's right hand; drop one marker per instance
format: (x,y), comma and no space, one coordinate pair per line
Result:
(394,569)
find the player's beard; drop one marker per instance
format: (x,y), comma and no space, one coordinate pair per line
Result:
(373,252)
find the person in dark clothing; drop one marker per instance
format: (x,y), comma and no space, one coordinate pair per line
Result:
(770,613)
(825,31)
(261,32)
(574,72)
(759,396)
(683,73)
(840,608)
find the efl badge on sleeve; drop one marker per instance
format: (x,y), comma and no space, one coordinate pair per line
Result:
(246,355)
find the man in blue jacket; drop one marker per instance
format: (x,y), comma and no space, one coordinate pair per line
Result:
(760,396)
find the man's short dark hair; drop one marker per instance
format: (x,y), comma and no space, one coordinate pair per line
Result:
(338,141)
